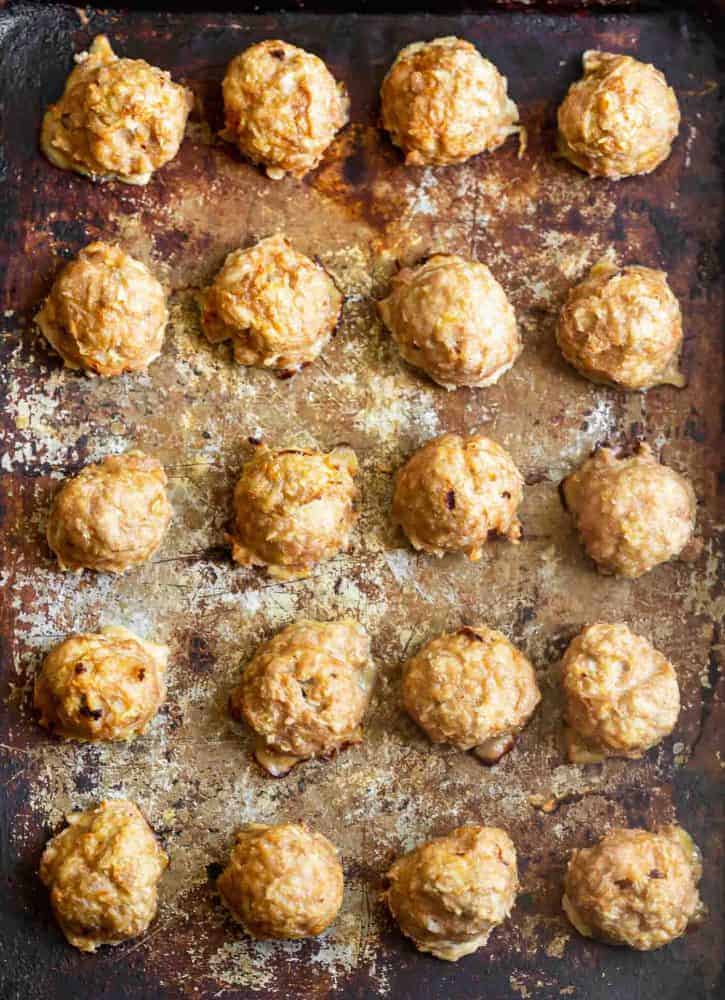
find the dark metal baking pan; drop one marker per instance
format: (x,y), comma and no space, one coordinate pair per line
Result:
(539,224)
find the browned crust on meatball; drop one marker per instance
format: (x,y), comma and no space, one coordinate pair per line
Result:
(293,508)
(282,107)
(623,327)
(449,894)
(278,307)
(443,103)
(471,688)
(101,686)
(305,692)
(621,695)
(282,882)
(632,512)
(450,318)
(620,119)
(111,516)
(117,119)
(635,888)
(106,313)
(103,872)
(456,492)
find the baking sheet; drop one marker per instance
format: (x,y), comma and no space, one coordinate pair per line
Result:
(539,225)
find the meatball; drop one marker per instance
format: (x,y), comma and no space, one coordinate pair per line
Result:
(623,327)
(635,888)
(455,492)
(448,894)
(278,307)
(293,508)
(472,688)
(304,692)
(282,881)
(112,516)
(632,513)
(620,119)
(103,872)
(101,686)
(282,107)
(451,318)
(443,103)
(621,695)
(117,119)
(106,313)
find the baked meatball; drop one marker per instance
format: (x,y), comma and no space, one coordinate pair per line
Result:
(635,888)
(471,688)
(103,872)
(101,686)
(293,508)
(620,119)
(106,313)
(282,881)
(449,894)
(621,695)
(282,107)
(623,327)
(451,318)
(117,119)
(455,492)
(304,692)
(112,516)
(443,103)
(278,307)
(632,513)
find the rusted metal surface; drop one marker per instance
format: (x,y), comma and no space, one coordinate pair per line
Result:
(539,224)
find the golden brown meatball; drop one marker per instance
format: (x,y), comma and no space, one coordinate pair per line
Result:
(455,492)
(621,695)
(623,327)
(632,513)
(106,313)
(472,688)
(282,107)
(103,872)
(282,881)
(620,119)
(117,118)
(443,103)
(448,894)
(451,318)
(635,888)
(112,516)
(101,686)
(293,508)
(304,692)
(278,307)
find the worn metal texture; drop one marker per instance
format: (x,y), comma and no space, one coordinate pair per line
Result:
(539,224)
